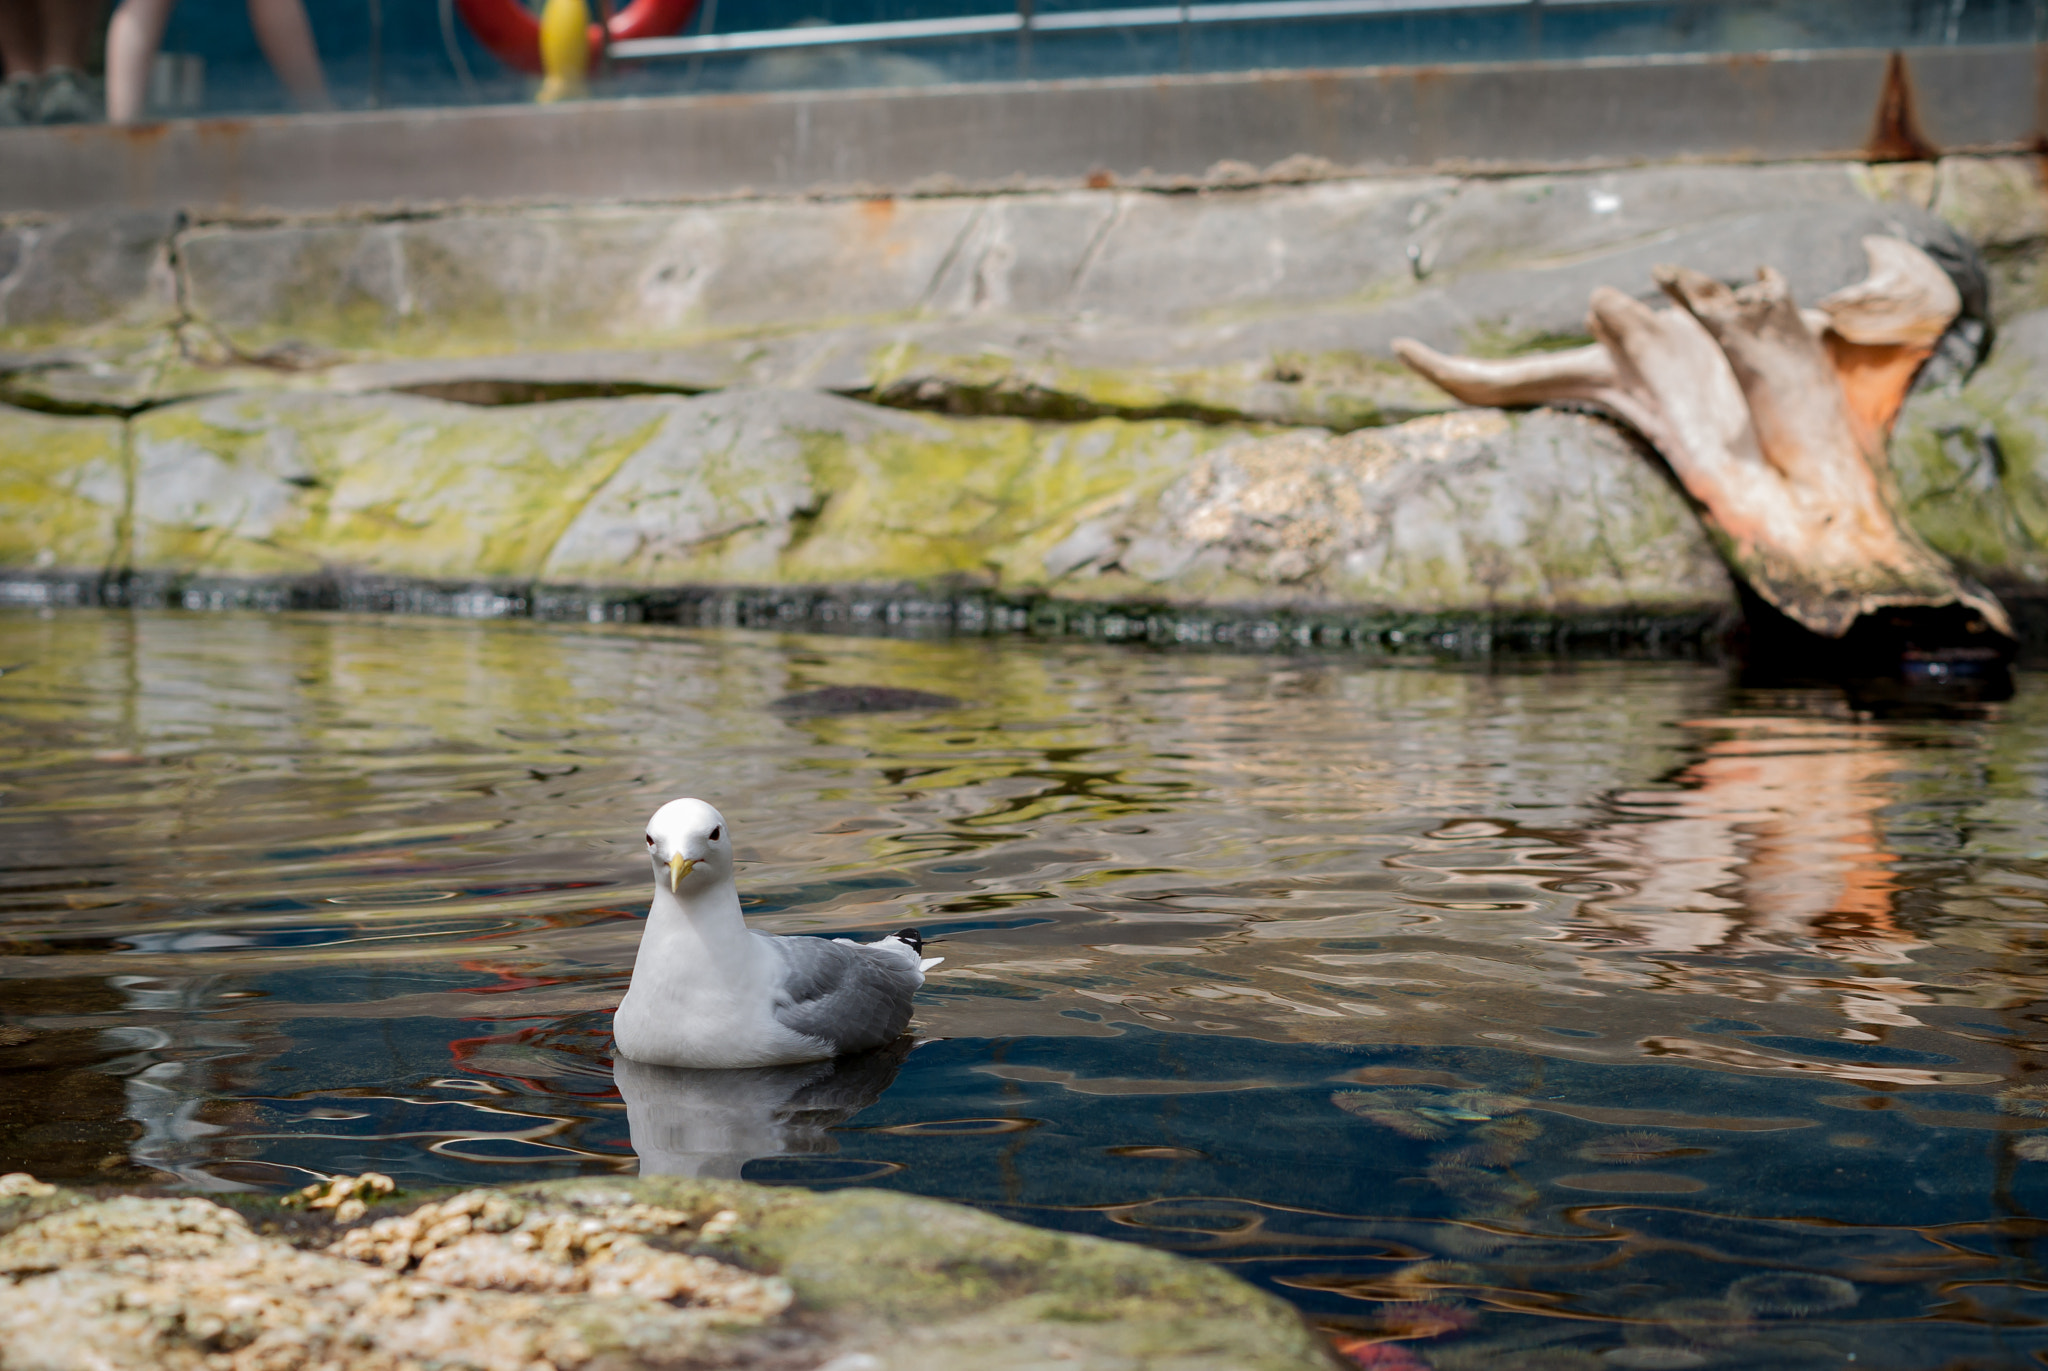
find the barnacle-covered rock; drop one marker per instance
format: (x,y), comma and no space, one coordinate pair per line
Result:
(614,1274)
(179,1283)
(348,1196)
(485,1240)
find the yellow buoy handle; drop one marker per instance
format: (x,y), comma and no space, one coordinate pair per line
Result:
(564,50)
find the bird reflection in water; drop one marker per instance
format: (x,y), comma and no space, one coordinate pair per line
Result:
(710,1123)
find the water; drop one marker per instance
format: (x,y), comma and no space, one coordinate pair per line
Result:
(1562,1015)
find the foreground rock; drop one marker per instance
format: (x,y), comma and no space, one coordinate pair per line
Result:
(618,1274)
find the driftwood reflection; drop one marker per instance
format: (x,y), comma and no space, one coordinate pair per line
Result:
(1775,842)
(712,1123)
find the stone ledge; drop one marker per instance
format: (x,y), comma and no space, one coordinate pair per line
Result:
(266,495)
(1270,302)
(1178,130)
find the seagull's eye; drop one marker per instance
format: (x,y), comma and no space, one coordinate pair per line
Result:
(650,840)
(715,832)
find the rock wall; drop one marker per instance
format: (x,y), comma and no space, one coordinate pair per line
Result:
(1088,396)
(1534,514)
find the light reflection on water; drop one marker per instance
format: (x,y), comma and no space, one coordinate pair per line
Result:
(1596,1011)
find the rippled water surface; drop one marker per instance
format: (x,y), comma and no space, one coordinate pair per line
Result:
(1598,1011)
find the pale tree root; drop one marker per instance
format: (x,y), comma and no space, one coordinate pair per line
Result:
(1776,420)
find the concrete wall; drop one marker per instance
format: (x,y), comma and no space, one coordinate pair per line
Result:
(1171,130)
(1270,303)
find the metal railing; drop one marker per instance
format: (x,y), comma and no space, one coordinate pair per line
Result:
(1024,20)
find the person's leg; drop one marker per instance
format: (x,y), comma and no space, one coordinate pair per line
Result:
(132,39)
(21,61)
(287,40)
(63,93)
(21,38)
(67,32)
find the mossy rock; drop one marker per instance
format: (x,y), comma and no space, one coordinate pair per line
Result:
(1972,464)
(863,1278)
(1477,512)
(269,484)
(741,487)
(932,1286)
(63,492)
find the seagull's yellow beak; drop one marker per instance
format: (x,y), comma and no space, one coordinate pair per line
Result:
(678,867)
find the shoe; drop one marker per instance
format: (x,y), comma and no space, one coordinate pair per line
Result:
(66,96)
(17,101)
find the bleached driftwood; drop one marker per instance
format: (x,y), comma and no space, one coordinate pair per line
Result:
(1775,420)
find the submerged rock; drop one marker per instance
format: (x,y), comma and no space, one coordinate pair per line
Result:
(618,1274)
(845,699)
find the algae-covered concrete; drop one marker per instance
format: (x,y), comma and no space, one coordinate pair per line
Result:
(1476,514)
(63,491)
(608,1273)
(270,484)
(770,487)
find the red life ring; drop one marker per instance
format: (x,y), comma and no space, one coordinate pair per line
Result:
(512,32)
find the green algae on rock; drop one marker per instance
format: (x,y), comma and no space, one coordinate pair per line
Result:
(792,487)
(280,483)
(63,492)
(774,487)
(619,1274)
(1476,514)
(1972,463)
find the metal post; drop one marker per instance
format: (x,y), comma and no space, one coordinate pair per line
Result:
(708,17)
(1024,17)
(604,39)
(454,46)
(376,53)
(1184,35)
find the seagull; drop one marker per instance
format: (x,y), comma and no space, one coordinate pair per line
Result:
(709,992)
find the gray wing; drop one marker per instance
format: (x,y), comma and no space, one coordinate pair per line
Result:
(849,997)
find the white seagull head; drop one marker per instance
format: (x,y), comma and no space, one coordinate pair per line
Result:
(690,846)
